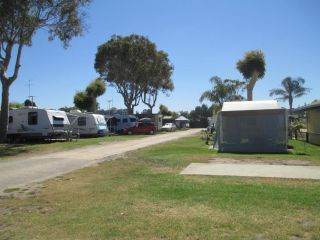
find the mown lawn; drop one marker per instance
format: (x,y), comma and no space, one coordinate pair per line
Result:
(300,151)
(10,150)
(142,196)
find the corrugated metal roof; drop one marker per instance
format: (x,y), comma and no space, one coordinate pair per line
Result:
(250,105)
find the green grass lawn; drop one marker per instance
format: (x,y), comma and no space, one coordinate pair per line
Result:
(10,150)
(300,151)
(143,196)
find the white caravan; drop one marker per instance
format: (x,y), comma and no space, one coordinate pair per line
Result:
(31,122)
(87,124)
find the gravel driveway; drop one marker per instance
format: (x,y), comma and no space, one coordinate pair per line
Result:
(23,171)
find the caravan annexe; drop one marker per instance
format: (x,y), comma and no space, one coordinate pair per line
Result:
(252,127)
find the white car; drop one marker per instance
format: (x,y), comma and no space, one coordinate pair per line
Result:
(169,127)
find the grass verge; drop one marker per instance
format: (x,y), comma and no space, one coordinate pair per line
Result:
(11,150)
(143,196)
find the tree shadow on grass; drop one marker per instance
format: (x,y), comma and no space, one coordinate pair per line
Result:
(13,149)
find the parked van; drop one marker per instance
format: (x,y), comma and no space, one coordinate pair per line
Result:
(118,122)
(88,124)
(34,123)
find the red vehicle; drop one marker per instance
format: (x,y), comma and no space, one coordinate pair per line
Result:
(141,127)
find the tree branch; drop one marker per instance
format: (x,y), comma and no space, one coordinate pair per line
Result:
(17,64)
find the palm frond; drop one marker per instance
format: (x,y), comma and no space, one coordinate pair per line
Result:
(278,92)
(206,95)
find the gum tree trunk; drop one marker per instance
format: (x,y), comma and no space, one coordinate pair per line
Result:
(4,112)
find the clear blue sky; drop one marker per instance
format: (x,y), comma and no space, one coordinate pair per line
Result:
(203,38)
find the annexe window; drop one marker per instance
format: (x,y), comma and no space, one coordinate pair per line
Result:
(82,121)
(10,119)
(32,118)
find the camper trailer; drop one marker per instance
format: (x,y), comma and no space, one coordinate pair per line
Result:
(34,123)
(87,124)
(118,122)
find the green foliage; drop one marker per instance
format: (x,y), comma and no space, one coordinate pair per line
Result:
(164,110)
(29,103)
(87,100)
(222,91)
(199,116)
(67,109)
(291,88)
(15,105)
(253,61)
(82,101)
(96,88)
(252,67)
(160,80)
(134,66)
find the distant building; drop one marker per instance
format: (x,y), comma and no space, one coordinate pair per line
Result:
(182,122)
(312,113)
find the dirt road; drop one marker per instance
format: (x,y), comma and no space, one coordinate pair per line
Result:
(20,172)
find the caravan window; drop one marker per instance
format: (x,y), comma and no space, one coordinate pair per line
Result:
(32,118)
(82,121)
(58,121)
(133,119)
(55,118)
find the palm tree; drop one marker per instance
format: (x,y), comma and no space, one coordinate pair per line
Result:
(223,90)
(291,88)
(252,67)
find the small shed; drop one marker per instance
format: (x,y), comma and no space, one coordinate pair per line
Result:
(313,121)
(182,122)
(252,126)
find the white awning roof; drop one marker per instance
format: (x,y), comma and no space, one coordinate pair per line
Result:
(182,118)
(250,105)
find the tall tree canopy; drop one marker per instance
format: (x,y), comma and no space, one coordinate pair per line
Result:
(87,100)
(291,88)
(19,21)
(160,80)
(223,90)
(252,67)
(134,66)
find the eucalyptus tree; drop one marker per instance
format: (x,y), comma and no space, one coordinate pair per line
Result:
(19,21)
(252,67)
(291,88)
(159,80)
(223,90)
(128,63)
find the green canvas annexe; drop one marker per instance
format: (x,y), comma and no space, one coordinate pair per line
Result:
(256,131)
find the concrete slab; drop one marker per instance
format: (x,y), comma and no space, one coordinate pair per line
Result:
(253,170)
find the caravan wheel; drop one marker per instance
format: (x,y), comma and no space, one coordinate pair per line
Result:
(130,133)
